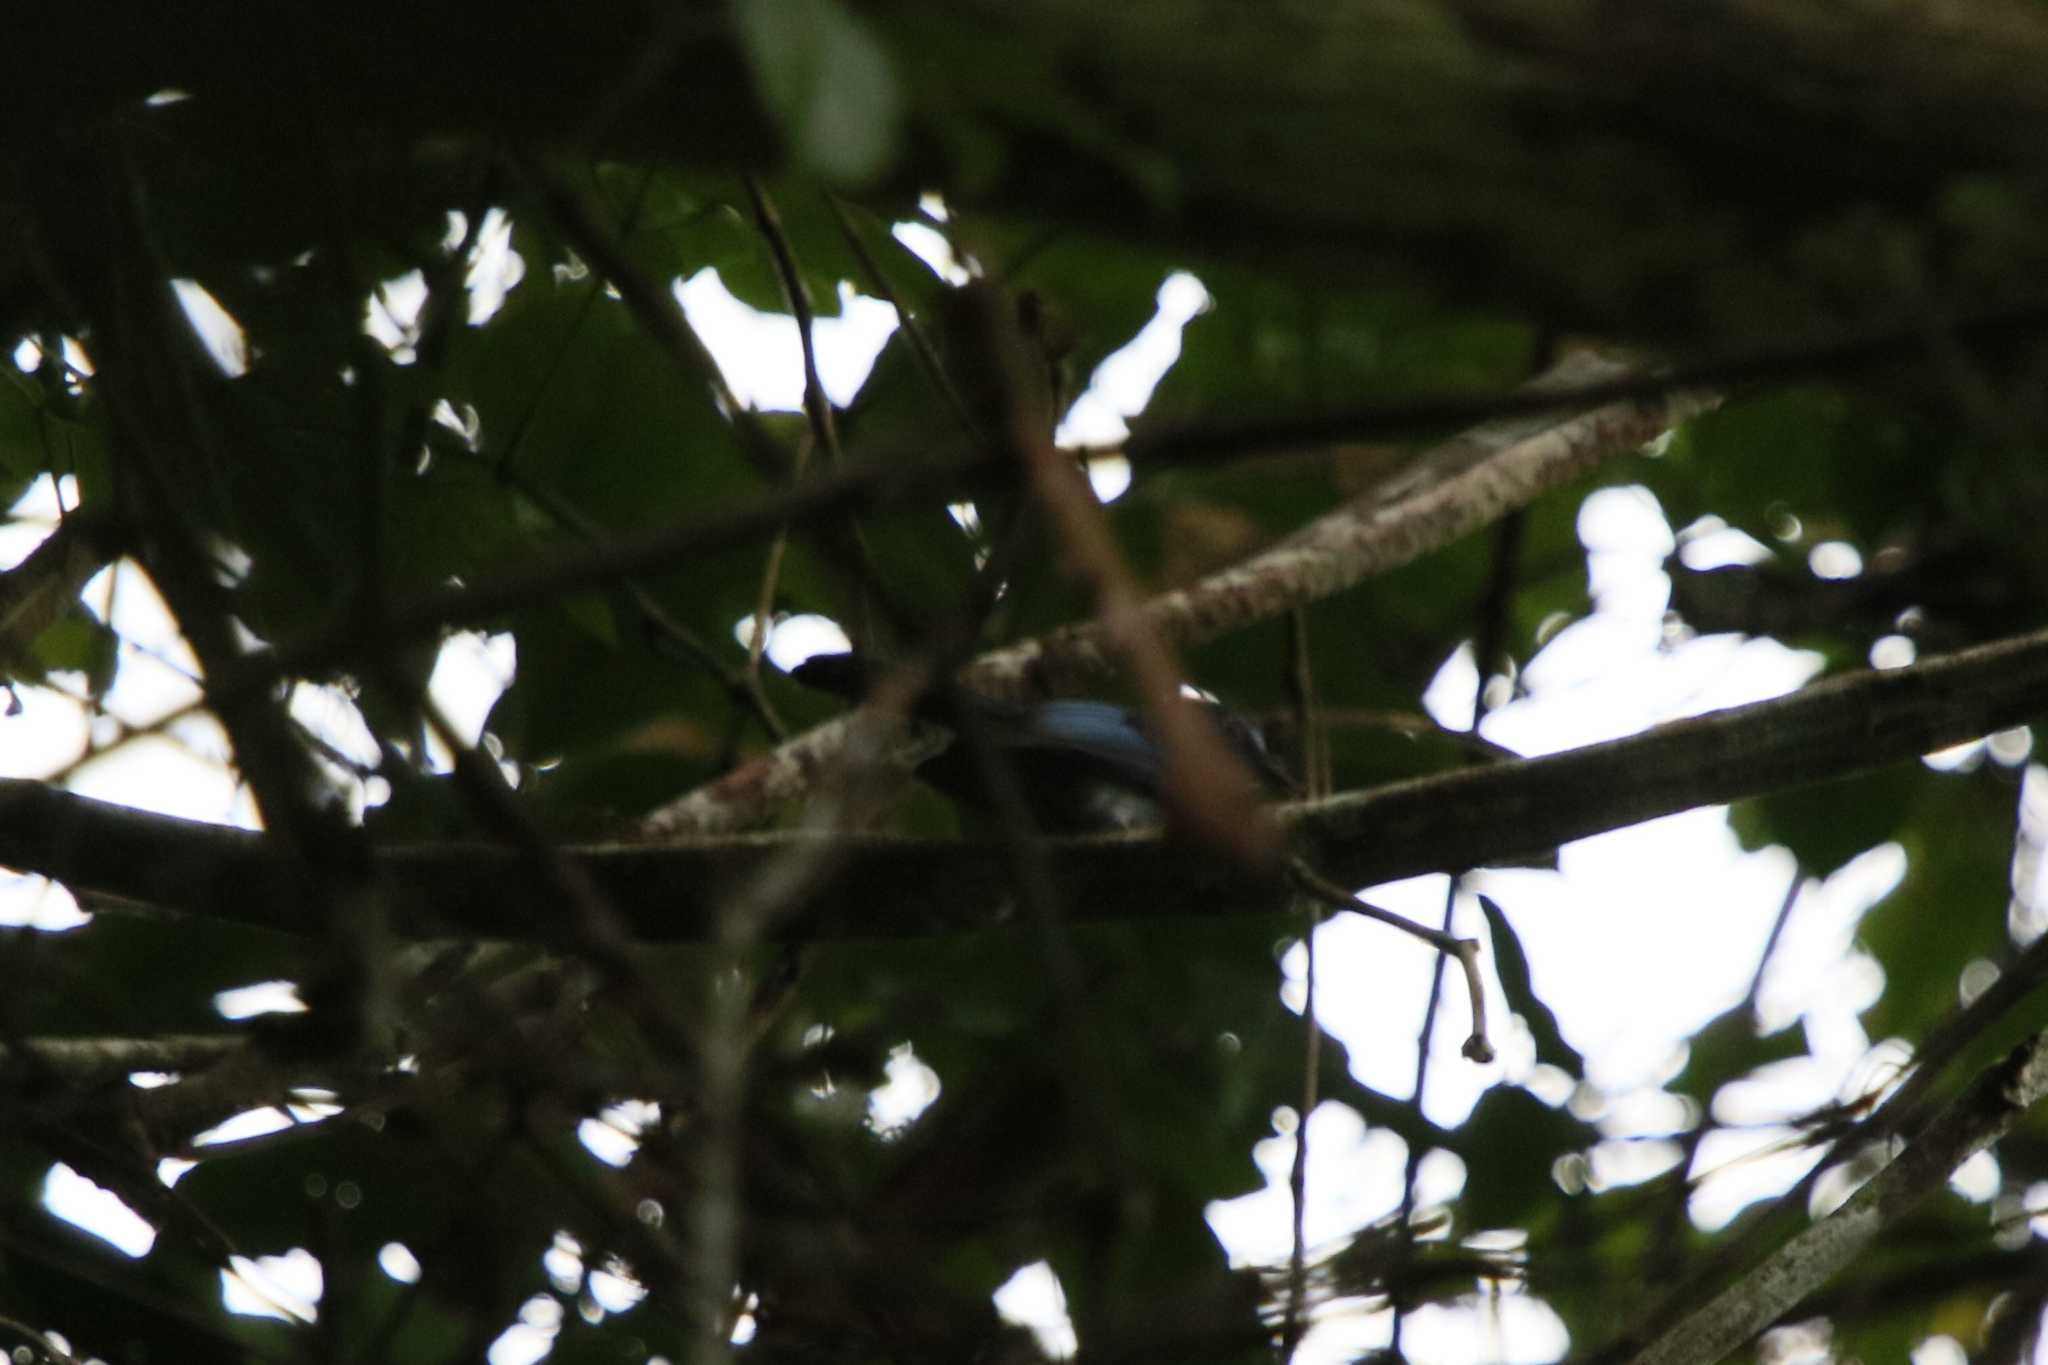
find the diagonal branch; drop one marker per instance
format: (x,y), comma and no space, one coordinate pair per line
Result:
(1982,1114)
(1579,443)
(894,887)
(1845,354)
(1208,790)
(1452,490)
(1904,1108)
(82,1062)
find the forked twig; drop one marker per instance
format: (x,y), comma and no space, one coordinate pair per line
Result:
(1466,950)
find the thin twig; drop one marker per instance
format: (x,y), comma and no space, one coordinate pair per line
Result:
(912,326)
(583,914)
(1465,950)
(1488,645)
(1412,1169)
(738,685)
(1315,768)
(1295,1321)
(1818,357)
(656,309)
(658,550)
(1669,1222)
(40,1341)
(559,356)
(725,1039)
(817,407)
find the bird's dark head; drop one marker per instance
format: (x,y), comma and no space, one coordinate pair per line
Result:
(843,675)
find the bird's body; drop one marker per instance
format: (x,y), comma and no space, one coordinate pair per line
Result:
(1080,766)
(1094,766)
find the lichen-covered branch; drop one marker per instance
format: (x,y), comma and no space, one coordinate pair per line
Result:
(1992,1104)
(1459,487)
(1450,491)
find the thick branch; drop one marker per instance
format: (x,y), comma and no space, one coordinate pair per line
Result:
(658,550)
(1457,488)
(1979,1117)
(1617,151)
(899,886)
(1450,491)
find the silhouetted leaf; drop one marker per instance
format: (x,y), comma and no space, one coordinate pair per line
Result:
(1513,969)
(829,82)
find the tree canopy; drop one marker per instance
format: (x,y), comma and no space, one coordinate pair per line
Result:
(659,1011)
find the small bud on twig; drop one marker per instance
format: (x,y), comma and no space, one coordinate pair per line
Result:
(1466,950)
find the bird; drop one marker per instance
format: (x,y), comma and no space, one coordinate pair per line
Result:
(1080,766)
(1093,767)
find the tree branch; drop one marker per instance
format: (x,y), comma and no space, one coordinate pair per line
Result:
(84,1062)
(893,886)
(1992,1104)
(1838,354)
(1467,483)
(1905,1107)
(1773,126)
(1452,490)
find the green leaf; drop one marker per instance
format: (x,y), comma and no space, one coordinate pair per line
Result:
(1728,1047)
(1809,463)
(827,80)
(1826,826)
(1509,1146)
(80,642)
(1512,965)
(1951,907)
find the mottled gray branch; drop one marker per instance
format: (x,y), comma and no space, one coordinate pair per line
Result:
(1983,1113)
(1454,489)
(1450,491)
